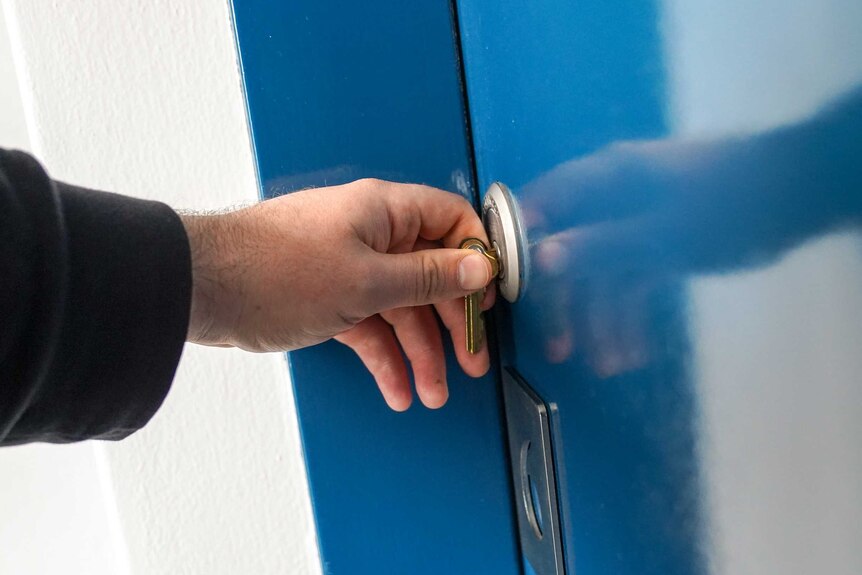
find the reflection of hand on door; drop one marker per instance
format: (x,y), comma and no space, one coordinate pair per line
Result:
(612,230)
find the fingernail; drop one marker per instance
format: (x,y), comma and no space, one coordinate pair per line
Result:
(473,272)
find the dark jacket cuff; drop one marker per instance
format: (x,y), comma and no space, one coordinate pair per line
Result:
(124,322)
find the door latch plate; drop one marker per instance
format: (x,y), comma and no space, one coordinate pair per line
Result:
(533,476)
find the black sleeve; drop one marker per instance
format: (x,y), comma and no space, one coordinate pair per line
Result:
(95,292)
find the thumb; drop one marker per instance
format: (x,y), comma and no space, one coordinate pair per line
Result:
(431,276)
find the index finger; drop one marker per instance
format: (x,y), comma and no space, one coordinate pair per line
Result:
(432,214)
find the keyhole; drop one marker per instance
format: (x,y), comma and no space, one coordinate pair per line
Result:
(537,507)
(530,494)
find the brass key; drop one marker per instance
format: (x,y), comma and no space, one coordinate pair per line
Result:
(473,302)
(475,322)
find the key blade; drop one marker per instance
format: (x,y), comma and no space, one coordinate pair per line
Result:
(475,322)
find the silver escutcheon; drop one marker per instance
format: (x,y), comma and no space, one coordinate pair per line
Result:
(503,223)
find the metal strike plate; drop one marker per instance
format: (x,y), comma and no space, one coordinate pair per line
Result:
(502,221)
(533,476)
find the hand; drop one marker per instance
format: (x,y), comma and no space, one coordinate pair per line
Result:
(362,263)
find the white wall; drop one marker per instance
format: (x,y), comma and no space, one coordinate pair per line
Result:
(51,493)
(13,130)
(145,99)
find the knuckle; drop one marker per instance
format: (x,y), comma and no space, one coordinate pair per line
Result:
(371,184)
(427,352)
(370,190)
(431,281)
(463,203)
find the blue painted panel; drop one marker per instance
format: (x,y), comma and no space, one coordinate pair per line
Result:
(338,91)
(689,176)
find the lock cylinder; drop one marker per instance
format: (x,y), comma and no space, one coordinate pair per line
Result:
(502,221)
(507,256)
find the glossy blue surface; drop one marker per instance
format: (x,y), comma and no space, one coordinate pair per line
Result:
(690,175)
(338,91)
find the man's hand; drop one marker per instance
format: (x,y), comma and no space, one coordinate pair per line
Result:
(363,263)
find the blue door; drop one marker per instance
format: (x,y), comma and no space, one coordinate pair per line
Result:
(338,91)
(688,176)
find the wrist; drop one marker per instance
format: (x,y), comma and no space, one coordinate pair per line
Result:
(211,306)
